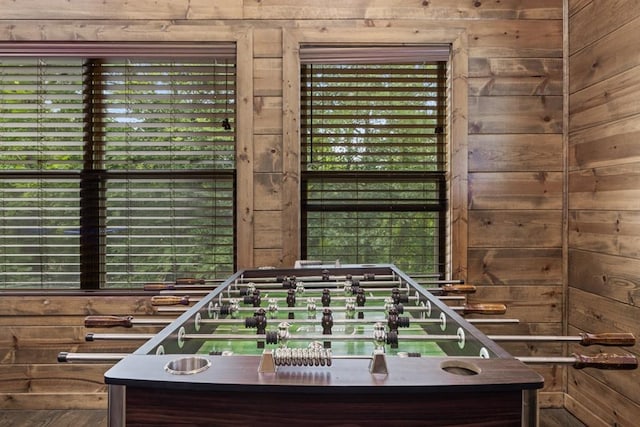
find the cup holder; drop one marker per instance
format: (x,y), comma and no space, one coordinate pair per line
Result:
(187,365)
(460,367)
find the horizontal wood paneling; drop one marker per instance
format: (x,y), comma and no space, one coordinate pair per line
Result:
(50,378)
(267,76)
(515,76)
(606,232)
(35,329)
(541,37)
(515,229)
(604,188)
(577,5)
(607,144)
(515,153)
(515,190)
(593,20)
(267,115)
(74,305)
(268,258)
(268,229)
(515,114)
(538,307)
(59,400)
(606,275)
(401,9)
(606,101)
(616,410)
(610,56)
(515,266)
(122,9)
(609,188)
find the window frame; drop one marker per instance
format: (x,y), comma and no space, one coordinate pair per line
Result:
(457,118)
(92,178)
(364,59)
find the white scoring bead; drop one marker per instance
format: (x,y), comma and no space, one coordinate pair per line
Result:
(461,338)
(443,321)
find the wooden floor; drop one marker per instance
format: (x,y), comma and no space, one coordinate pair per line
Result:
(98,418)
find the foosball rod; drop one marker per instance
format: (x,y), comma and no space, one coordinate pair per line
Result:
(577,361)
(278,285)
(607,339)
(476,308)
(580,361)
(129,321)
(169,300)
(445,289)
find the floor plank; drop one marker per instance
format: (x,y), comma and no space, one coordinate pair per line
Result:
(558,418)
(53,418)
(98,418)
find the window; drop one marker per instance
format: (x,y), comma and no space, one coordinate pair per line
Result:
(117,164)
(373,131)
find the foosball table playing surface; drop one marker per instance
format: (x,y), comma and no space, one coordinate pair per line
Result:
(319,345)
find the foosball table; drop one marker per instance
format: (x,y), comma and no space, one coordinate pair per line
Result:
(324,345)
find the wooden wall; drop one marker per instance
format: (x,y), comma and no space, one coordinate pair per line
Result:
(604,198)
(507,125)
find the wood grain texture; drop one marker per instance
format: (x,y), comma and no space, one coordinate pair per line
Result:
(515,76)
(592,20)
(576,5)
(50,378)
(267,78)
(353,409)
(58,400)
(122,9)
(56,305)
(606,275)
(606,232)
(610,56)
(267,153)
(515,190)
(606,101)
(400,9)
(515,152)
(515,266)
(603,192)
(538,307)
(268,230)
(515,114)
(606,144)
(268,191)
(610,188)
(515,229)
(616,410)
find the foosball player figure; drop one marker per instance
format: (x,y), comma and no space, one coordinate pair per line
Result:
(254,299)
(291,301)
(258,321)
(361,299)
(327,324)
(326,297)
(394,321)
(398,297)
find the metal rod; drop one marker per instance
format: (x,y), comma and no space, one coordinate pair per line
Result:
(90,357)
(127,337)
(318,337)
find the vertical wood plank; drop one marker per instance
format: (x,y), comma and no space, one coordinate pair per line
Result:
(458,143)
(290,148)
(244,152)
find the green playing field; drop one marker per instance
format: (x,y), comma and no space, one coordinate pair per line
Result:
(338,347)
